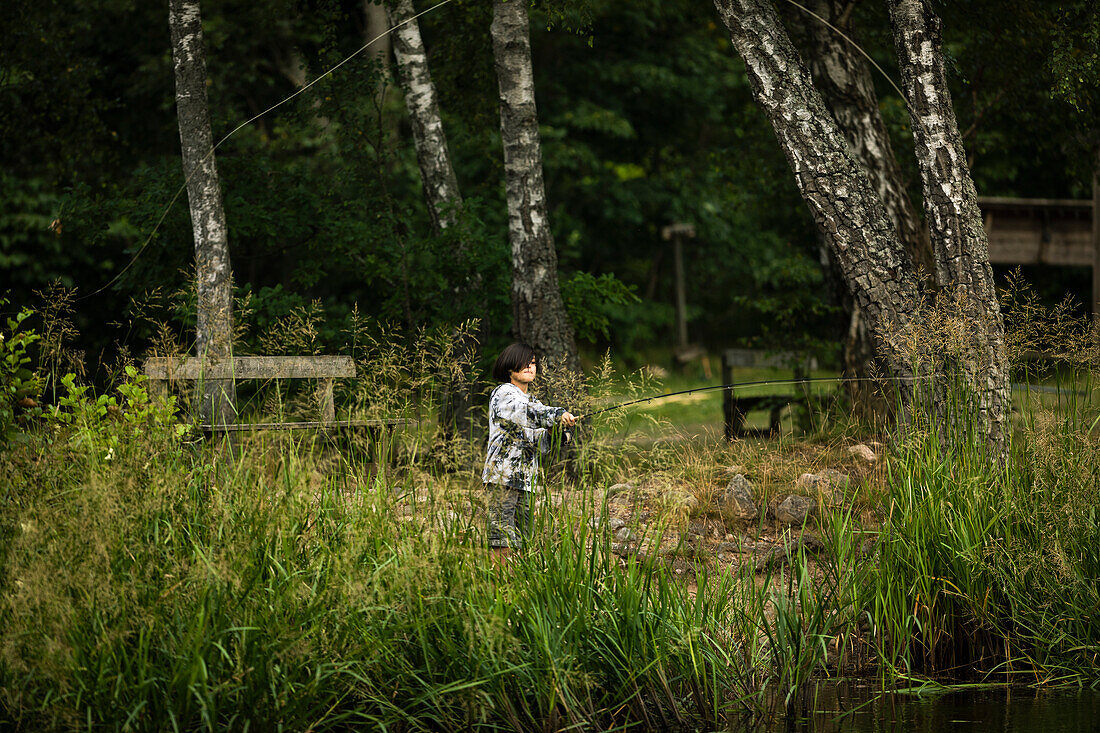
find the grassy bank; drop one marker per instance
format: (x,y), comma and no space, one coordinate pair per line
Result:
(148,583)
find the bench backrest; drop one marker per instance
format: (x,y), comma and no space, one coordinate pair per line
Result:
(192,368)
(250,367)
(778,359)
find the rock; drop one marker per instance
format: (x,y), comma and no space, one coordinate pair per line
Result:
(770,557)
(613,523)
(806,481)
(624,535)
(775,556)
(828,479)
(811,542)
(794,509)
(739,500)
(864,452)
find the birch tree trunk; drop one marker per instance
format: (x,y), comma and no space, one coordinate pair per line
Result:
(375,16)
(833,182)
(537,308)
(217,398)
(443,198)
(843,76)
(959,241)
(437,175)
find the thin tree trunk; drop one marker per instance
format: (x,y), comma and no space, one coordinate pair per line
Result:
(959,240)
(843,76)
(537,308)
(834,184)
(375,16)
(443,198)
(217,402)
(437,175)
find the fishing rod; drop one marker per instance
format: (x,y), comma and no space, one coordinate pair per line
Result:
(760,383)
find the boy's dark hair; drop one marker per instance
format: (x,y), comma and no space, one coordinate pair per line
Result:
(514,358)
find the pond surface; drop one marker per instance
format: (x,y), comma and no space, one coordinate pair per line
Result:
(1000,710)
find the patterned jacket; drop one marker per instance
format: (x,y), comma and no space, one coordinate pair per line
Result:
(517,435)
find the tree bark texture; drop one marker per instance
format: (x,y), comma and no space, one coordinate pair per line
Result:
(437,175)
(443,198)
(376,25)
(844,78)
(959,241)
(834,184)
(537,308)
(214,342)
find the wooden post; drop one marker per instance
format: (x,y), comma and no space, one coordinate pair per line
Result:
(681,297)
(676,232)
(328,407)
(1096,243)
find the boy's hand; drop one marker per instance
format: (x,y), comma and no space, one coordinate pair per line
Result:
(568,419)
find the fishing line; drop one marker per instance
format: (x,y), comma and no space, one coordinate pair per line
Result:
(364,47)
(761,383)
(235,130)
(857,47)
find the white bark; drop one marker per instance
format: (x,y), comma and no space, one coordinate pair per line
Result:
(436,172)
(959,241)
(538,311)
(832,181)
(214,329)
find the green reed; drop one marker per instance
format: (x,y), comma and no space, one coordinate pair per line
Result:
(989,567)
(151,584)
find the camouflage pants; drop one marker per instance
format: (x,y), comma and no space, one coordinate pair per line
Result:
(509,516)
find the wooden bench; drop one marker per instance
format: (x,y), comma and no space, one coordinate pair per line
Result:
(736,408)
(163,370)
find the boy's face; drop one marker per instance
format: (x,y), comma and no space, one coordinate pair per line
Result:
(526,375)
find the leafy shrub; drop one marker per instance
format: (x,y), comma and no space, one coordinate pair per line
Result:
(17,381)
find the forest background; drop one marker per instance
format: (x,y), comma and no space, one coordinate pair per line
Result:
(646,118)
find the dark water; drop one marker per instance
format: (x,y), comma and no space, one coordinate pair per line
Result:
(1000,710)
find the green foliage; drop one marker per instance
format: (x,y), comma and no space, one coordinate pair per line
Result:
(99,424)
(1075,56)
(17,381)
(323,194)
(590,302)
(157,589)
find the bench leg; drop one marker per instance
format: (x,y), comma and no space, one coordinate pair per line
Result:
(735,421)
(328,407)
(774,418)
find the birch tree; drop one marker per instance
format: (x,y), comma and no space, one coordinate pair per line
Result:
(960,243)
(441,194)
(437,175)
(843,201)
(213,274)
(843,76)
(537,308)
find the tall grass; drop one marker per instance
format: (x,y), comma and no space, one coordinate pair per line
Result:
(989,566)
(148,585)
